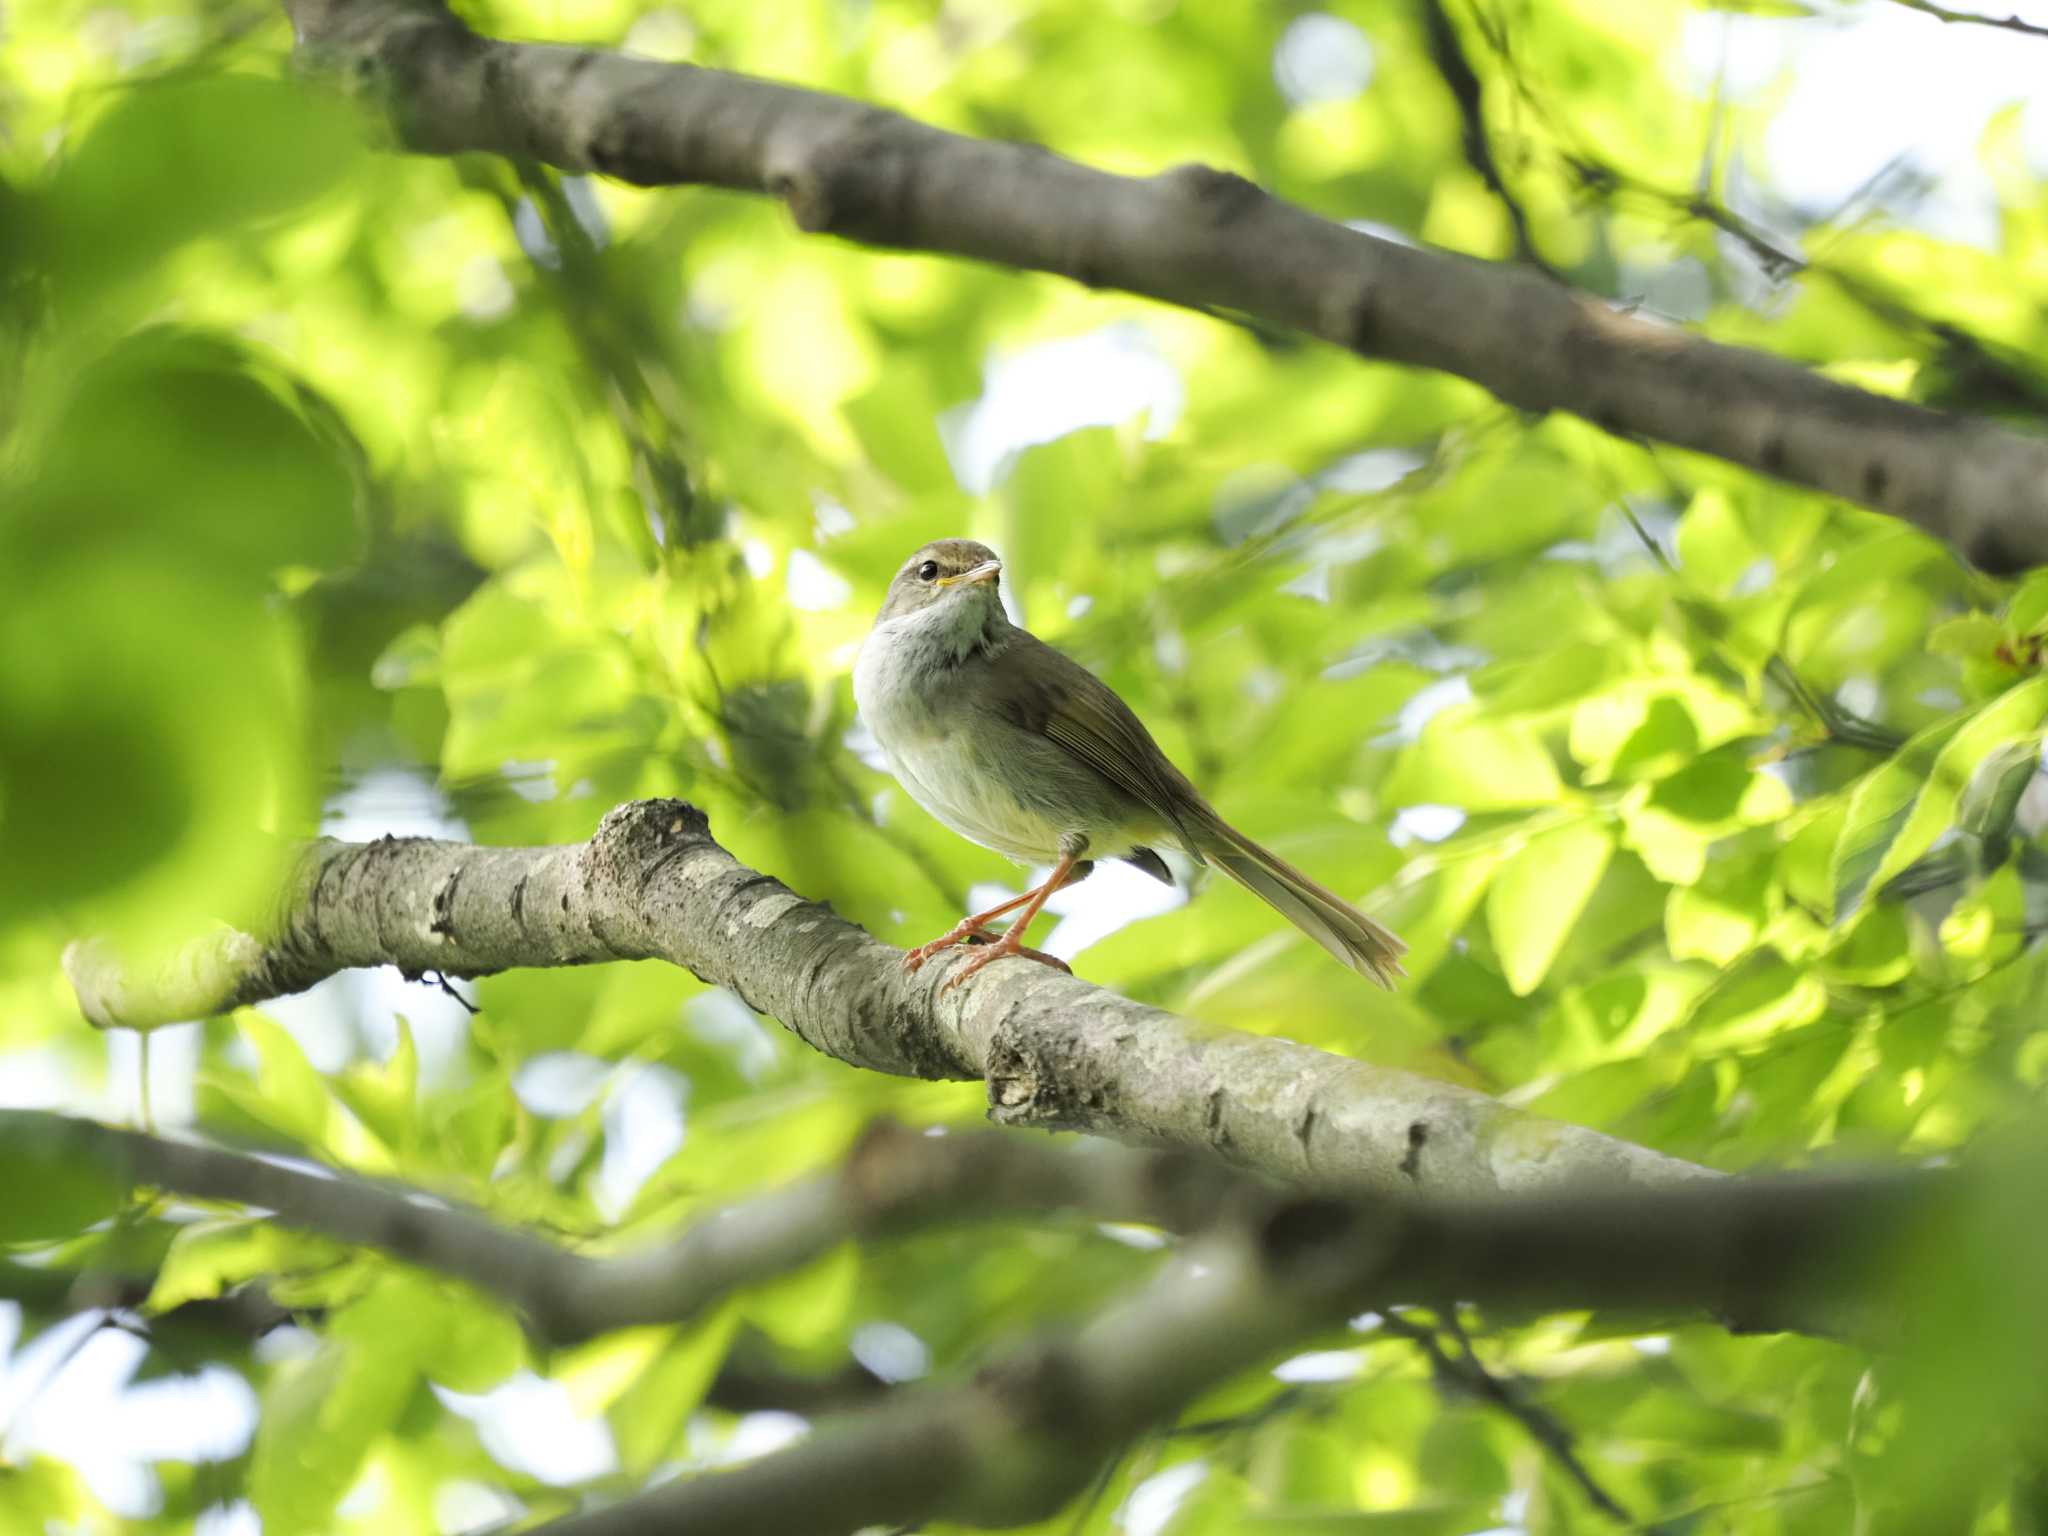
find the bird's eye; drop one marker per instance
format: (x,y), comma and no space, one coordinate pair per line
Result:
(928,570)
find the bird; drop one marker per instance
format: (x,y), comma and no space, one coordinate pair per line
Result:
(1016,746)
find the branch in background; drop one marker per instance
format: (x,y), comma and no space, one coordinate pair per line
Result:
(1973,18)
(751,1379)
(1266,1269)
(1193,236)
(1056,1052)
(893,1181)
(1756,1253)
(1030,1430)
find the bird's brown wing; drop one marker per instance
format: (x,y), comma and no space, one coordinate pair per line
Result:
(1042,691)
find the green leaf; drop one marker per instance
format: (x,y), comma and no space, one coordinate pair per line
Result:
(803,1309)
(384,1097)
(1528,684)
(475,1344)
(2027,613)
(1717,919)
(293,1096)
(192,155)
(58,1182)
(897,421)
(1054,492)
(1679,1419)
(1749,1005)
(322,1414)
(1475,764)
(1991,800)
(1714,546)
(220,473)
(1538,893)
(207,1258)
(1873,949)
(1972,636)
(648,1419)
(1902,806)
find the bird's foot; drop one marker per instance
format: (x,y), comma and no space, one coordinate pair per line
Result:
(958,934)
(1008,944)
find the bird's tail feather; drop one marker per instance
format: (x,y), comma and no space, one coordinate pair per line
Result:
(1324,916)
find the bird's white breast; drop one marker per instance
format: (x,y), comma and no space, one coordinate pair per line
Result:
(908,690)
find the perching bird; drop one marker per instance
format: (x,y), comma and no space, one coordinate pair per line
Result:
(1020,749)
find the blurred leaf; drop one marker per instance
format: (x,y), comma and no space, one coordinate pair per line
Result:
(1900,808)
(189,446)
(322,1413)
(385,1097)
(208,1258)
(1475,764)
(56,1185)
(1537,895)
(809,1305)
(178,158)
(648,1419)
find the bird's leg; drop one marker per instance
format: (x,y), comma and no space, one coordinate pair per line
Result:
(1068,869)
(977,924)
(966,928)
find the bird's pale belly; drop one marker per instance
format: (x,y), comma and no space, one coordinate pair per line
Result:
(947,779)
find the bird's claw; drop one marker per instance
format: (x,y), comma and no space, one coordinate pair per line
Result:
(916,958)
(1004,946)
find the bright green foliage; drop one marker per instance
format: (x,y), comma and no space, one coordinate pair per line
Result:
(1707,806)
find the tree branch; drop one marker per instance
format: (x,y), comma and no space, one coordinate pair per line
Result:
(1193,236)
(1029,1430)
(894,1180)
(1974,18)
(1055,1051)
(1267,1268)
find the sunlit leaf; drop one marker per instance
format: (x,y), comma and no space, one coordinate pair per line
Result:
(1539,892)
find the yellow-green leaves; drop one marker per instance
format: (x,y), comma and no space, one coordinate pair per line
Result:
(190,157)
(1901,807)
(323,1414)
(56,1187)
(1539,892)
(172,484)
(1474,763)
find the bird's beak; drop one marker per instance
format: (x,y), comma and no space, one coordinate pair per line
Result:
(988,570)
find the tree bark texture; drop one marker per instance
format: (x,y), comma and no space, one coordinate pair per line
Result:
(1055,1051)
(1194,236)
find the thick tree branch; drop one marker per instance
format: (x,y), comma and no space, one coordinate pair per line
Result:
(1055,1051)
(1193,236)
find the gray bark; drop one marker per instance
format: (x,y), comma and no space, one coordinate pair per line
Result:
(1192,236)
(1055,1051)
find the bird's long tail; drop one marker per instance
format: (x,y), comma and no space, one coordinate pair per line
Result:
(1323,915)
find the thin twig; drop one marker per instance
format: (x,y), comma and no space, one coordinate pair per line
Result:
(1464,1372)
(1452,63)
(1970,18)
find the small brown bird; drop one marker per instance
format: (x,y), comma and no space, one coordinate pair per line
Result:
(1020,749)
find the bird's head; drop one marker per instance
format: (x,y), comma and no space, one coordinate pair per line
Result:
(954,577)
